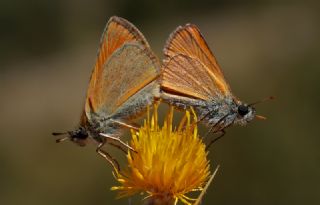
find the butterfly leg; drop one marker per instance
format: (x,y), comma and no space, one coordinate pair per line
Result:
(216,125)
(209,131)
(119,147)
(204,117)
(132,126)
(117,139)
(114,163)
(223,132)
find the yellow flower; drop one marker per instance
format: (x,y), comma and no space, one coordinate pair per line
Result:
(168,162)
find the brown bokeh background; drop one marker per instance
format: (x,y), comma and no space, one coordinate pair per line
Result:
(47,50)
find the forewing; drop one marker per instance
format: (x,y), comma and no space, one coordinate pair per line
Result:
(126,74)
(117,33)
(188,41)
(186,76)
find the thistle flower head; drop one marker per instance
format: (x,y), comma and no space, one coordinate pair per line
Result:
(168,162)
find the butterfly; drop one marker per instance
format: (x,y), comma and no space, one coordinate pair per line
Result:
(122,85)
(191,76)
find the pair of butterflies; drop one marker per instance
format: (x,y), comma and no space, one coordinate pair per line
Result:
(128,77)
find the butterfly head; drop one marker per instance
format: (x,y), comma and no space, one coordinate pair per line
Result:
(78,136)
(245,113)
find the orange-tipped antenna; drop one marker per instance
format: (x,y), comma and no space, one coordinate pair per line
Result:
(264,100)
(61,139)
(260,117)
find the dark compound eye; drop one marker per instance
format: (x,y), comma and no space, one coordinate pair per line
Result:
(243,110)
(80,134)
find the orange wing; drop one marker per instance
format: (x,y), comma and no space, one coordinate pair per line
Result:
(187,56)
(129,81)
(118,32)
(186,76)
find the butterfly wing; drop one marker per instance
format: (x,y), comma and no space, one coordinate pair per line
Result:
(125,65)
(129,82)
(187,77)
(190,68)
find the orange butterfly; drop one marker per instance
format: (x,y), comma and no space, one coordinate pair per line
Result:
(123,83)
(191,76)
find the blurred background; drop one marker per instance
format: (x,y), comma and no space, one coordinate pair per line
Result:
(47,51)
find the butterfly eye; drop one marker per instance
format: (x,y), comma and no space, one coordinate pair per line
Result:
(79,134)
(243,110)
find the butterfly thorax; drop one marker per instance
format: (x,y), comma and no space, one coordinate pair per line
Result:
(101,124)
(225,112)
(219,113)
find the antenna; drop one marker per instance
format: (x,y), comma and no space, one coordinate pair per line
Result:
(260,117)
(59,133)
(263,100)
(61,139)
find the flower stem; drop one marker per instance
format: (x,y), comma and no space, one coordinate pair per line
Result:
(160,200)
